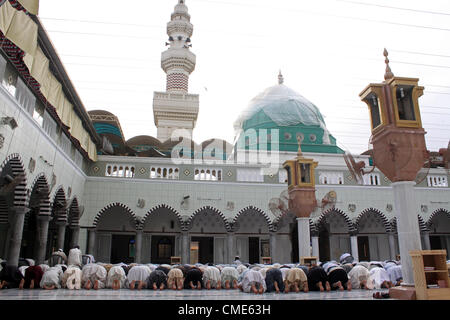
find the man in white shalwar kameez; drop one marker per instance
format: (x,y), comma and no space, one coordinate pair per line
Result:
(93,276)
(71,278)
(380,278)
(75,257)
(212,278)
(359,276)
(52,278)
(252,281)
(138,274)
(229,277)
(116,278)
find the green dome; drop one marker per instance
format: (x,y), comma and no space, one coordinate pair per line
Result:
(291,115)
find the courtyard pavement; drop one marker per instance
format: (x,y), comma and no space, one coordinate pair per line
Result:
(145,294)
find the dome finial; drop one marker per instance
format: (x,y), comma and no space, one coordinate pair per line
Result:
(280,78)
(388,75)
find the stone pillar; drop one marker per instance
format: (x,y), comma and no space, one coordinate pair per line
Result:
(185,248)
(91,243)
(75,236)
(61,234)
(15,242)
(138,253)
(42,238)
(407,226)
(231,250)
(354,247)
(8,238)
(392,249)
(426,241)
(304,248)
(315,246)
(273,247)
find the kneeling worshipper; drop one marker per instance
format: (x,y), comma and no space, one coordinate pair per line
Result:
(157,280)
(75,257)
(32,279)
(10,276)
(252,281)
(116,278)
(163,268)
(274,280)
(193,279)
(212,278)
(175,278)
(71,278)
(318,279)
(93,275)
(229,277)
(52,277)
(337,277)
(394,271)
(359,277)
(379,277)
(138,275)
(296,280)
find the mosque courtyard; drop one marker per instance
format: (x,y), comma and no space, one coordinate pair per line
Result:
(125,294)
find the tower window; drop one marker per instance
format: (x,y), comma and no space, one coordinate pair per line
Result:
(405,103)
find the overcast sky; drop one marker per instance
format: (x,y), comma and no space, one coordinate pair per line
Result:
(327,50)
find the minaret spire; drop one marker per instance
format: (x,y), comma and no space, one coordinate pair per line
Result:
(388,74)
(176,108)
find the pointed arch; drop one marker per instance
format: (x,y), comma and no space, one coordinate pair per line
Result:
(435,214)
(74,213)
(191,219)
(279,221)
(365,213)
(59,210)
(106,210)
(156,209)
(350,225)
(248,210)
(40,190)
(422,225)
(16,167)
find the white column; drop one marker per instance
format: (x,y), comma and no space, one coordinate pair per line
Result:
(392,246)
(426,241)
(231,246)
(185,248)
(91,243)
(407,226)
(315,246)
(304,248)
(354,247)
(138,253)
(273,247)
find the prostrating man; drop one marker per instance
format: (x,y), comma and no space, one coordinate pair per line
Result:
(157,280)
(337,276)
(116,277)
(274,280)
(10,276)
(175,278)
(296,280)
(71,278)
(52,277)
(138,274)
(193,279)
(229,277)
(359,277)
(212,278)
(32,279)
(93,276)
(252,281)
(318,279)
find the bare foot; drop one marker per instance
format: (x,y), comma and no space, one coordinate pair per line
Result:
(219,285)
(154,286)
(349,286)
(132,285)
(305,287)
(199,285)
(296,288)
(32,284)
(227,284)
(320,285)
(22,282)
(49,287)
(140,285)
(235,284)
(162,286)
(254,289)
(261,289)
(208,285)
(180,284)
(87,286)
(96,285)
(191,285)
(277,289)
(327,286)
(286,288)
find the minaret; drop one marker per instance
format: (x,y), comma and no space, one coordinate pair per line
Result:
(176,108)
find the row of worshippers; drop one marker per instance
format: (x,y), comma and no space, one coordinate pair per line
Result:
(256,278)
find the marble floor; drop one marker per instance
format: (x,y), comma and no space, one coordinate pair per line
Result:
(126,294)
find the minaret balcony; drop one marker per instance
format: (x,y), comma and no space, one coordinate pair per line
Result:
(178,59)
(180,27)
